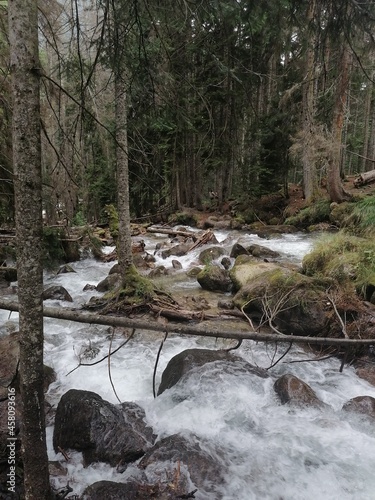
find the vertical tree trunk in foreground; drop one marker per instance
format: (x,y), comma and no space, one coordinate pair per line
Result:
(124,246)
(23,37)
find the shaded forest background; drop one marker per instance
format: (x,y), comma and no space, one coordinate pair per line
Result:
(239,98)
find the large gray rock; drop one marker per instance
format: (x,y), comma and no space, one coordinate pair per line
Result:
(365,405)
(205,470)
(294,391)
(110,282)
(177,250)
(262,252)
(176,485)
(57,292)
(214,279)
(209,254)
(246,269)
(116,434)
(186,360)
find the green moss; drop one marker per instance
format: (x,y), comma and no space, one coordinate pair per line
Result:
(135,290)
(362,218)
(345,259)
(112,215)
(249,216)
(315,213)
(183,218)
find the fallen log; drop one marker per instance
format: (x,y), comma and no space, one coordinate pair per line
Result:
(201,331)
(172,232)
(365,178)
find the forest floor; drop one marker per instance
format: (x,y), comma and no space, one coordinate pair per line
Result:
(280,205)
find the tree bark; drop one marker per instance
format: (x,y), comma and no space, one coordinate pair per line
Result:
(124,243)
(23,38)
(334,185)
(124,250)
(310,177)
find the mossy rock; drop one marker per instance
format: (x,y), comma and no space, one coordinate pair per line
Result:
(214,279)
(313,214)
(247,268)
(184,218)
(210,254)
(296,304)
(345,259)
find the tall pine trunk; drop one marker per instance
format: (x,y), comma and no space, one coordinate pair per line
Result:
(334,185)
(23,37)
(124,244)
(310,177)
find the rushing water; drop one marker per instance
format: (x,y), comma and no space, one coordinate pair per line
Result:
(269,450)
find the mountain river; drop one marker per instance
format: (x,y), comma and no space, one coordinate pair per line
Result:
(271,451)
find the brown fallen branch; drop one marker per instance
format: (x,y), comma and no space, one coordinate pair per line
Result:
(204,238)
(172,232)
(199,330)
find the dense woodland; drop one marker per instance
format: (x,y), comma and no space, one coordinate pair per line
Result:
(234,97)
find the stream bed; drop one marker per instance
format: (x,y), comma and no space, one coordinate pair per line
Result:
(269,451)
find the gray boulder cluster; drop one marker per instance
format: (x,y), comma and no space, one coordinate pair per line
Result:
(168,467)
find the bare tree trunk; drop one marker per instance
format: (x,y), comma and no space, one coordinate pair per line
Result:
(334,185)
(23,37)
(310,177)
(124,250)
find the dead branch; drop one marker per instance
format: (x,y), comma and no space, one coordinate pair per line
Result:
(205,238)
(109,367)
(105,357)
(172,232)
(200,330)
(156,364)
(343,326)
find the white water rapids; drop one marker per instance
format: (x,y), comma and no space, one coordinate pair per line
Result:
(270,451)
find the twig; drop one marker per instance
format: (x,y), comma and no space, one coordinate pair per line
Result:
(109,366)
(310,360)
(189,495)
(343,327)
(65,455)
(235,347)
(246,316)
(281,357)
(156,363)
(105,357)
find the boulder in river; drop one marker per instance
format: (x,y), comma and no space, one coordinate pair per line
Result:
(205,470)
(215,279)
(57,292)
(186,360)
(262,252)
(364,405)
(116,434)
(295,304)
(246,268)
(295,391)
(209,254)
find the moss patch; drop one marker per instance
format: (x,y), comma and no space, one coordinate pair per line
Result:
(345,259)
(315,213)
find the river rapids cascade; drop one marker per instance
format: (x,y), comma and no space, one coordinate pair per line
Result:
(266,449)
